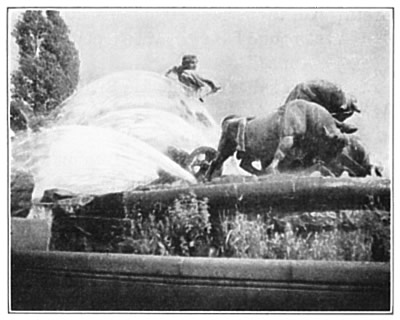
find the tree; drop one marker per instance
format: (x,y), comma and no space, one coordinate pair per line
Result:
(48,71)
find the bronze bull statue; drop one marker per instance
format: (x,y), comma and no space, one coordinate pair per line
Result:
(331,97)
(297,132)
(354,159)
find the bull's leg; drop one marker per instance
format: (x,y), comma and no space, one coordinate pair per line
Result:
(322,168)
(247,165)
(216,164)
(350,172)
(284,146)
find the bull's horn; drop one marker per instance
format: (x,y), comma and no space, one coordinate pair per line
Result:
(355,107)
(353,103)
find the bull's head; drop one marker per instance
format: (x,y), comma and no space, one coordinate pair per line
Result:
(348,108)
(352,104)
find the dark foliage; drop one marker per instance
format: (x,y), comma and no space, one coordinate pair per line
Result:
(48,71)
(185,228)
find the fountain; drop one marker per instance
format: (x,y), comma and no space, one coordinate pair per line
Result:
(112,135)
(111,138)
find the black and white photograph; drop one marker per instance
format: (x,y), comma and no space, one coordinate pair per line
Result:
(200,159)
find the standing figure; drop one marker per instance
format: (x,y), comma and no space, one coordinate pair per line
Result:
(187,75)
(331,97)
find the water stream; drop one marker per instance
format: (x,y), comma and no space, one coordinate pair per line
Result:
(112,136)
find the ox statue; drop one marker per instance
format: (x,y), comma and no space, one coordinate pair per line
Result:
(354,159)
(297,132)
(331,97)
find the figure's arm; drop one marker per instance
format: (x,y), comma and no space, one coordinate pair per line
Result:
(210,83)
(172,70)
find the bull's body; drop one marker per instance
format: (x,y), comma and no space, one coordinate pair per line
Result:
(354,159)
(298,131)
(328,95)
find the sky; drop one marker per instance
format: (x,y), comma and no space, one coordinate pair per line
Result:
(256,55)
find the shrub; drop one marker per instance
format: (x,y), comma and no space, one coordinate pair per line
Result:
(368,240)
(184,229)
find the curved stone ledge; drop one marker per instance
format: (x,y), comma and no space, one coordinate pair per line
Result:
(281,193)
(81,281)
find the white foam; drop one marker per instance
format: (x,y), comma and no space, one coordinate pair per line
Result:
(112,134)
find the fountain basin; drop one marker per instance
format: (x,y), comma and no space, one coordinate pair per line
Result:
(116,282)
(70,281)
